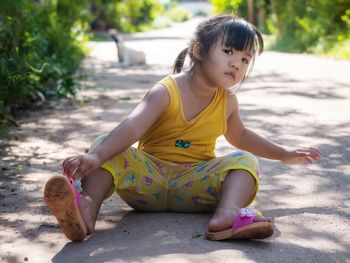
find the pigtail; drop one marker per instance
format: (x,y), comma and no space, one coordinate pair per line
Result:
(180,60)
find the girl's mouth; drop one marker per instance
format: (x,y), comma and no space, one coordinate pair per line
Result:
(231,74)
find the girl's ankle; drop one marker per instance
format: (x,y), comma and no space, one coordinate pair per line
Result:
(227,209)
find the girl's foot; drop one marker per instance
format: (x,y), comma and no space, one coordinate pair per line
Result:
(85,208)
(238,224)
(223,218)
(74,213)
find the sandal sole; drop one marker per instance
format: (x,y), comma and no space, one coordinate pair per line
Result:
(60,198)
(257,230)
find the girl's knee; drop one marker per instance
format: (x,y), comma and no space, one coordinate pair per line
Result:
(247,160)
(242,175)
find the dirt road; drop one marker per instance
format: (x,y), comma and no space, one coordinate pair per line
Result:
(295,100)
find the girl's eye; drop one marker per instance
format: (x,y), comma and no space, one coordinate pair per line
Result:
(228,51)
(245,61)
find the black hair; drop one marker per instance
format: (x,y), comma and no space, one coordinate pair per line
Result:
(234,31)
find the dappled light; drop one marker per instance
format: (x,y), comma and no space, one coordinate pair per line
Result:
(294,100)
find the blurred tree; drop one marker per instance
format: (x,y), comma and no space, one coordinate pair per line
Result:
(230,6)
(125,15)
(251,11)
(303,25)
(300,25)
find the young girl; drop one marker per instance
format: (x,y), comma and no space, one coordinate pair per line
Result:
(177,123)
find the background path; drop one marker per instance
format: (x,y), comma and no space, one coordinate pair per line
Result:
(295,100)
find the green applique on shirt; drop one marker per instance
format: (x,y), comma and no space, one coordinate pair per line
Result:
(182,144)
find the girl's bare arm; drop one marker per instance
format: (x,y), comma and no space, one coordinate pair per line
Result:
(135,125)
(241,137)
(123,136)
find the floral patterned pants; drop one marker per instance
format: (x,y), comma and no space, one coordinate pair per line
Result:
(147,183)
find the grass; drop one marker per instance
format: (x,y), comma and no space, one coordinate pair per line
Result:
(340,50)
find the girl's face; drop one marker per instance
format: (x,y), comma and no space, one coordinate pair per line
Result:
(226,67)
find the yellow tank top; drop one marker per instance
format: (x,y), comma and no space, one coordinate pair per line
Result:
(172,138)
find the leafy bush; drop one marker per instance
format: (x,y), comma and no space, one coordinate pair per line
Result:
(41,44)
(40,51)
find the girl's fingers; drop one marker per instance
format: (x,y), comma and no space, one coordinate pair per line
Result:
(68,160)
(317,151)
(82,169)
(67,163)
(69,168)
(311,153)
(304,156)
(75,174)
(79,172)
(64,163)
(302,153)
(315,154)
(309,159)
(72,166)
(77,166)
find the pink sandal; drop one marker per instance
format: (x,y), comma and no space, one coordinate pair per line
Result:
(63,199)
(244,227)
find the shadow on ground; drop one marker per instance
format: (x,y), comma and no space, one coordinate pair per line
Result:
(139,236)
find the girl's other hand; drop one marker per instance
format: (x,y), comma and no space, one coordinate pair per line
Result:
(302,155)
(78,166)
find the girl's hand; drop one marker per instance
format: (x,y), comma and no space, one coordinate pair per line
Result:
(302,155)
(78,166)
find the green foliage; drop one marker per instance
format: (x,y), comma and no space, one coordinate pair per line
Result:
(40,51)
(178,14)
(312,26)
(128,15)
(339,50)
(319,26)
(161,22)
(173,13)
(136,13)
(230,6)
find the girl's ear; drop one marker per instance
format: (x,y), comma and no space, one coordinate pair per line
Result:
(197,48)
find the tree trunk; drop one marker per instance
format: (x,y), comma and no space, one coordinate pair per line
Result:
(261,15)
(251,15)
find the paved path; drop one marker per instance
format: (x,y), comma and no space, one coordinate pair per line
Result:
(295,100)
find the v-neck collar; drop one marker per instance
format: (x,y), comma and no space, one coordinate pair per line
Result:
(201,113)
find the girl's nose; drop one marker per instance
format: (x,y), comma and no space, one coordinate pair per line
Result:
(234,63)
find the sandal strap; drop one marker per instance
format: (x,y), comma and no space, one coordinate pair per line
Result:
(76,191)
(244,217)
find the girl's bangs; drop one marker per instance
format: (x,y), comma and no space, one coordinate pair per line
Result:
(240,36)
